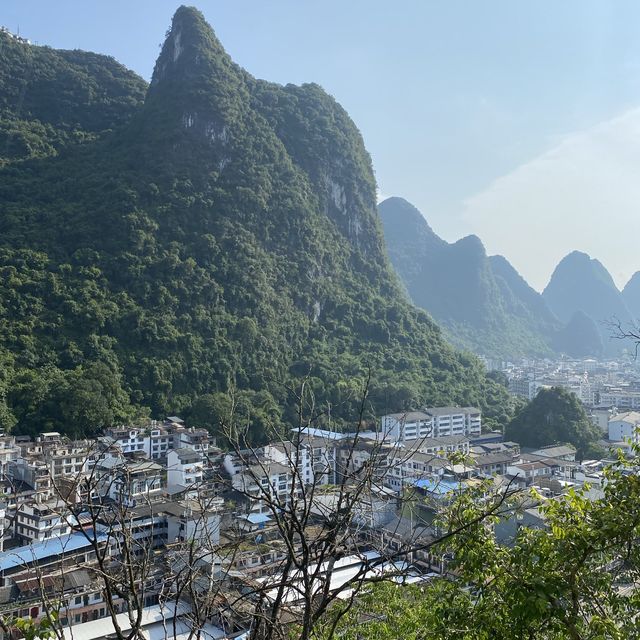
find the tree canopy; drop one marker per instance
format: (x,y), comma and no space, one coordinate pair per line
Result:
(555,415)
(573,578)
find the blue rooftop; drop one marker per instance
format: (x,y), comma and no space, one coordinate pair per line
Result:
(258,518)
(41,550)
(438,487)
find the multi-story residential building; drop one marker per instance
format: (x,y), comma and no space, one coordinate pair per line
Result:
(526,387)
(625,427)
(185,470)
(9,452)
(620,398)
(455,421)
(194,520)
(530,471)
(433,422)
(157,438)
(445,445)
(492,463)
(39,521)
(40,464)
(128,439)
(262,482)
(407,469)
(129,481)
(409,425)
(288,454)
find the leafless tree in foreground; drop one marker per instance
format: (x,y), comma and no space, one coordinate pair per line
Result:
(332,549)
(626,332)
(326,540)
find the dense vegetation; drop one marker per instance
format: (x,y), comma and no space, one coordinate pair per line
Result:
(222,242)
(51,99)
(574,578)
(555,415)
(482,302)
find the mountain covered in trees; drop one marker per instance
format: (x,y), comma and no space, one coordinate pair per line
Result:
(209,246)
(52,99)
(482,301)
(581,292)
(485,305)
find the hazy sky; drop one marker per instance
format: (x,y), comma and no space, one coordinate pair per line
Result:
(519,122)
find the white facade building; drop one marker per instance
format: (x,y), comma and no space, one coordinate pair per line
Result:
(455,421)
(624,427)
(433,422)
(185,470)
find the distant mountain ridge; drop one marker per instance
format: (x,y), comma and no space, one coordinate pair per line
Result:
(487,306)
(482,301)
(631,296)
(582,285)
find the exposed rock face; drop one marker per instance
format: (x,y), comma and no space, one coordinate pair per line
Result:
(225,237)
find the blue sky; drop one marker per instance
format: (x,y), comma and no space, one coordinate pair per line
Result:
(516,121)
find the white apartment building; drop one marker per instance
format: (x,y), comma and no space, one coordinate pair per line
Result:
(185,470)
(156,439)
(455,421)
(128,481)
(9,452)
(624,427)
(265,478)
(39,521)
(623,399)
(433,422)
(287,454)
(405,470)
(191,520)
(526,387)
(409,425)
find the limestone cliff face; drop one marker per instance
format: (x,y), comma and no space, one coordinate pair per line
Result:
(226,236)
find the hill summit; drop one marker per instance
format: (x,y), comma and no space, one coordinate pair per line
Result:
(582,285)
(213,249)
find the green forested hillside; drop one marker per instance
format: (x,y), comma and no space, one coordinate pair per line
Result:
(52,98)
(223,241)
(555,415)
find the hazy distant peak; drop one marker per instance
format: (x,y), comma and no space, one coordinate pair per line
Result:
(631,295)
(471,244)
(578,264)
(581,285)
(404,224)
(634,282)
(398,209)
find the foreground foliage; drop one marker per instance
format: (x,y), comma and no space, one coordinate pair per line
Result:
(574,579)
